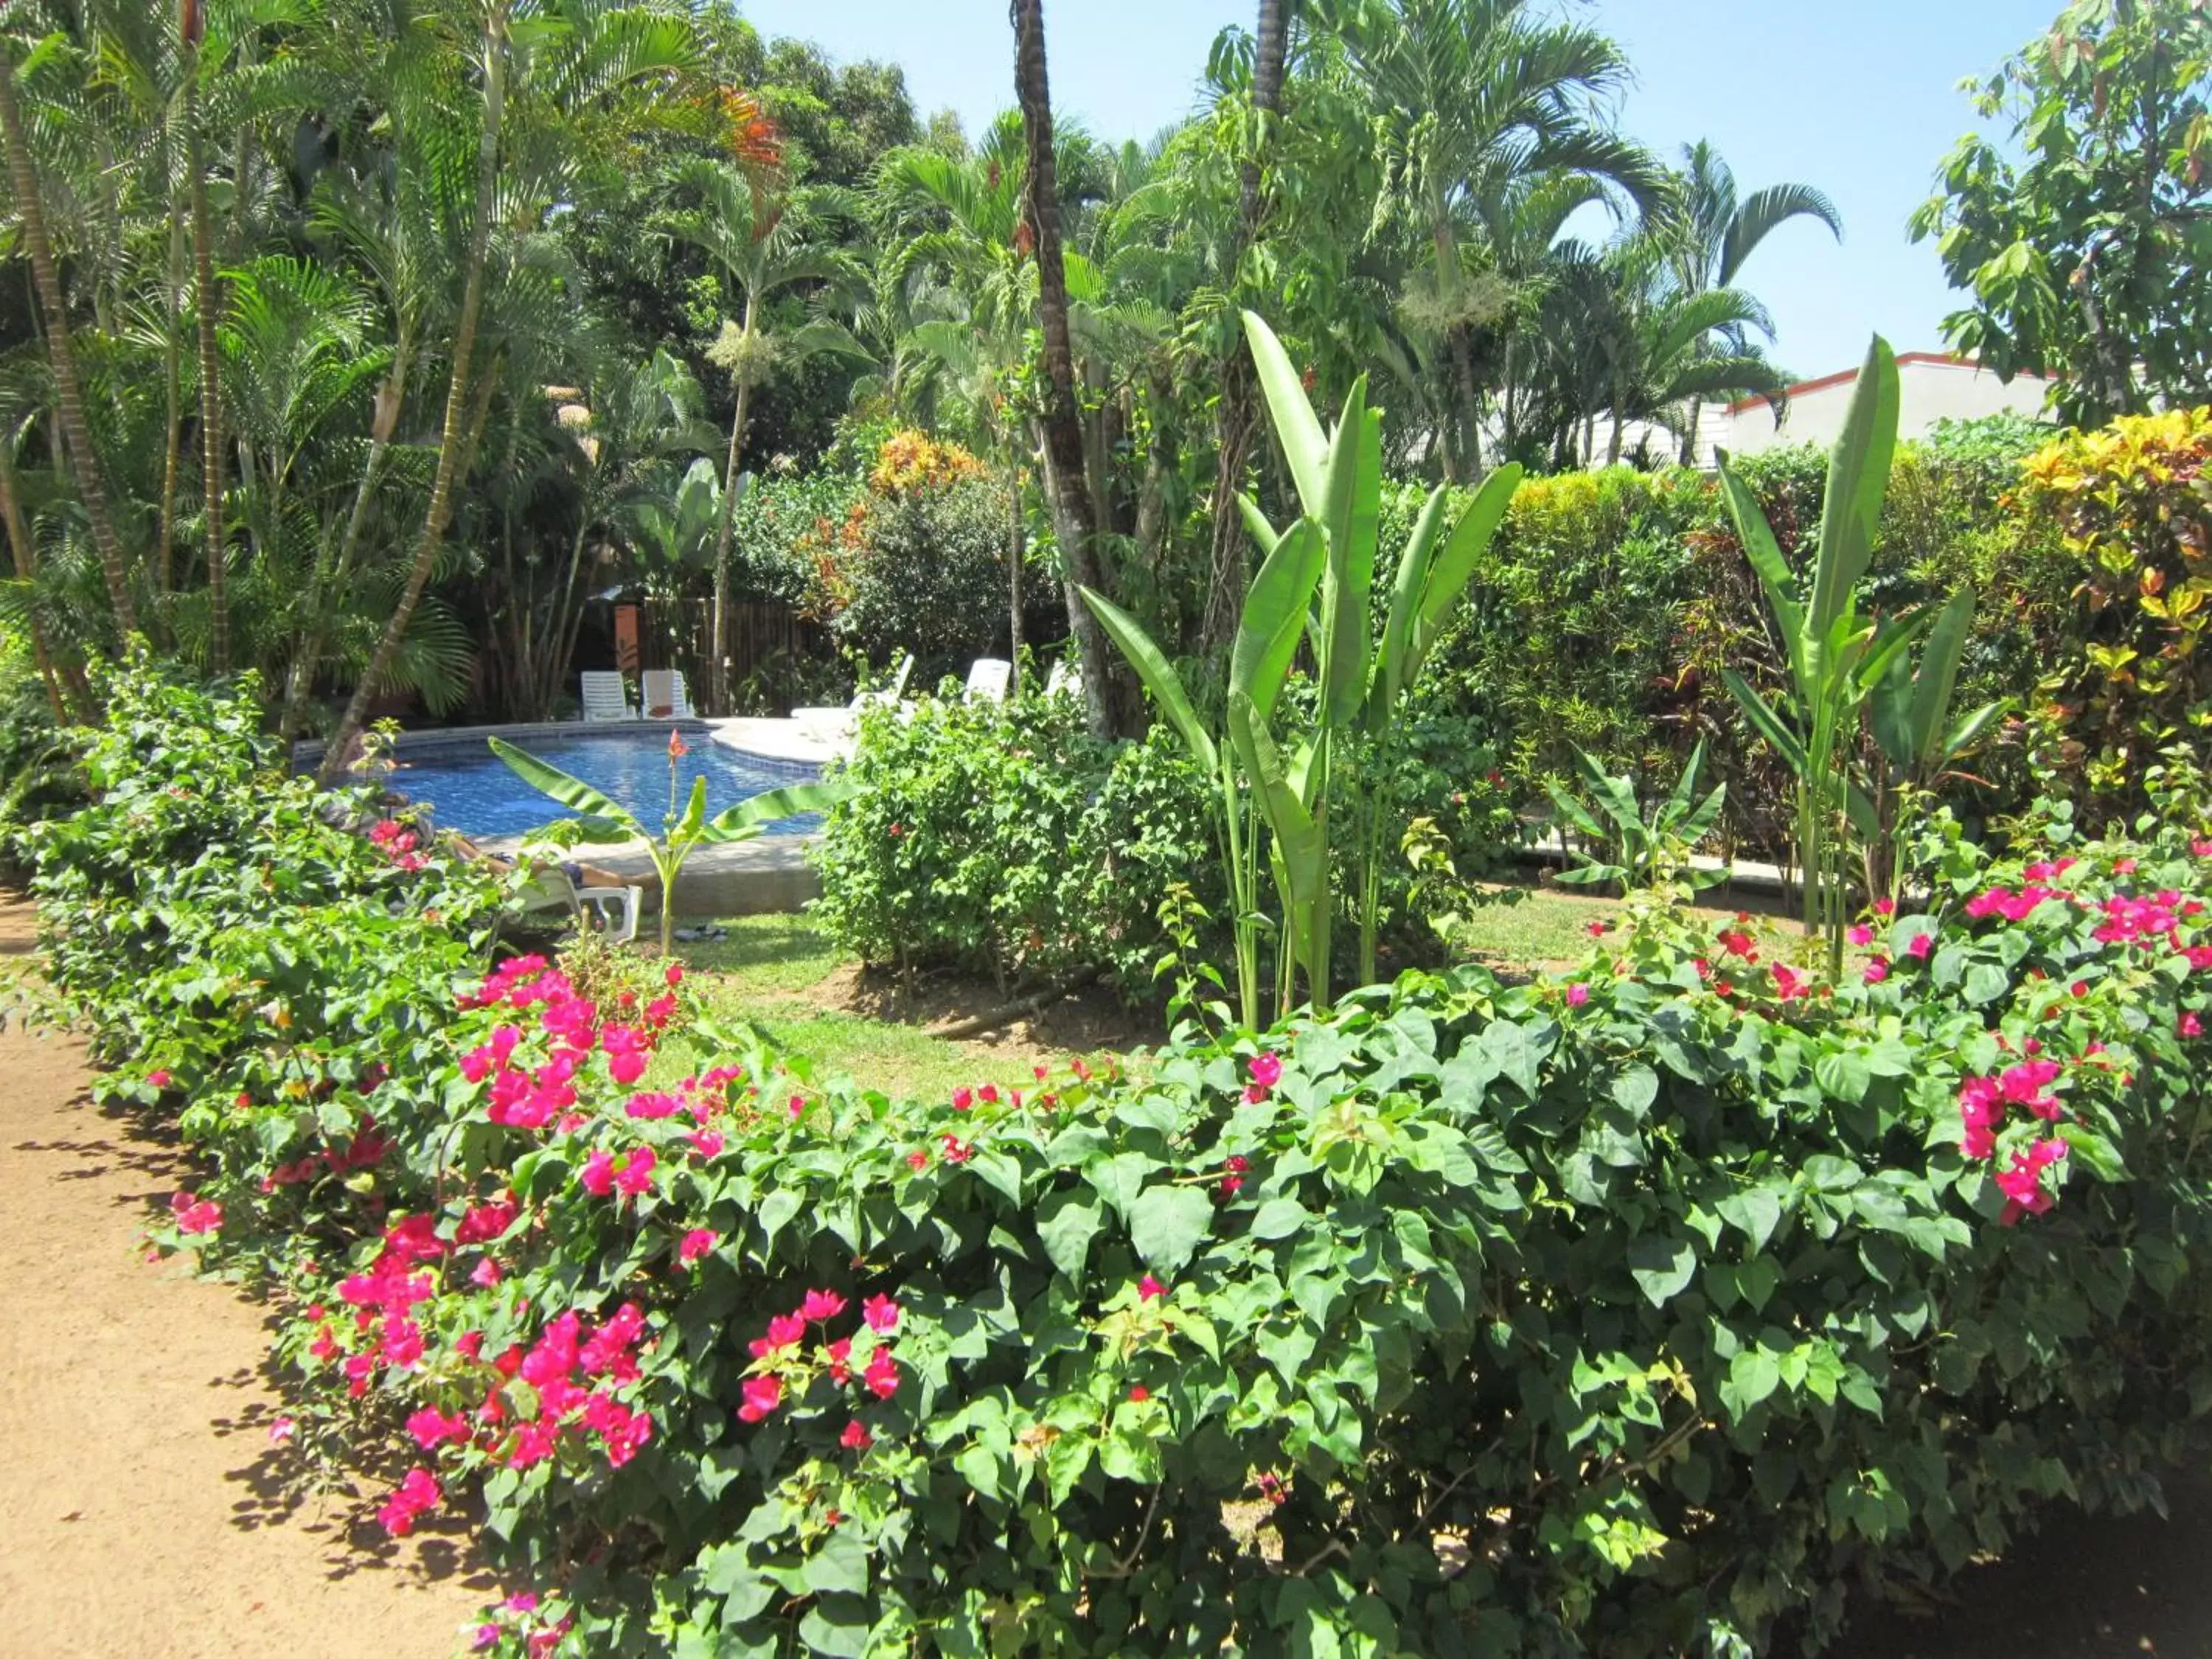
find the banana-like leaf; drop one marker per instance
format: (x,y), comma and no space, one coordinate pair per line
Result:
(1884,644)
(1159,678)
(1405,592)
(1298,848)
(1700,824)
(1938,677)
(1257,521)
(1858,482)
(1575,812)
(1355,486)
(1275,610)
(1971,729)
(1889,712)
(1787,744)
(1774,570)
(1615,796)
(1297,429)
(1859,810)
(556,785)
(1453,567)
(695,812)
(1677,801)
(747,818)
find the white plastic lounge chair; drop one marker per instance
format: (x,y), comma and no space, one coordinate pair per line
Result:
(611,911)
(834,722)
(990,680)
(1067,676)
(604,698)
(665,694)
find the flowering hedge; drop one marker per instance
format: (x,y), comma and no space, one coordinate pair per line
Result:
(1632,1313)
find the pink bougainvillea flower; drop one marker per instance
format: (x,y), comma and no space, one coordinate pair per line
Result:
(1233,1183)
(651,1108)
(432,1428)
(1737,942)
(598,1177)
(708,1143)
(1595,929)
(1254,1094)
(195,1214)
(917,1159)
(763,1395)
(2123,867)
(157,1080)
(882,1375)
(1790,985)
(784,1331)
(841,1358)
(281,1431)
(634,1171)
(1577,994)
(674,976)
(957,1150)
(821,1306)
(416,1495)
(1877,970)
(2190,1026)
(1150,1289)
(855,1437)
(1885,907)
(1139,1392)
(1921,945)
(963,1098)
(2022,1183)
(2202,847)
(988,1094)
(487,1636)
(1860,934)
(486,1274)
(881,1315)
(1266,1070)
(696,1243)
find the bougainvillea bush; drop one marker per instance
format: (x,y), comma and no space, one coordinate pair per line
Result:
(1633,1312)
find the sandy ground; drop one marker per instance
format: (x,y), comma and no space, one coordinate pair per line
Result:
(143,1511)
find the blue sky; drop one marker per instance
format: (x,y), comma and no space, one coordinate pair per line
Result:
(1859,99)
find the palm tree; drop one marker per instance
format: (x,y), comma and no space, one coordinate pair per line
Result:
(582,64)
(208,301)
(765,249)
(69,390)
(1074,520)
(1468,98)
(1718,229)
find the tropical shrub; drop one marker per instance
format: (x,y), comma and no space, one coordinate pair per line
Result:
(1005,839)
(2135,511)
(1631,1313)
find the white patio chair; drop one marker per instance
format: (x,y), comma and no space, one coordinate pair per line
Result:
(663,689)
(990,680)
(840,721)
(611,911)
(604,698)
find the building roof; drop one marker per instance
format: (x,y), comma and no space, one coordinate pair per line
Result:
(1905,360)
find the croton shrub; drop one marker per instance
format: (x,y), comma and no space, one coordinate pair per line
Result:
(1631,1312)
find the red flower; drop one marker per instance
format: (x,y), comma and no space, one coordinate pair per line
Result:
(1577,994)
(1150,1289)
(881,1313)
(882,1375)
(1266,1070)
(763,1395)
(1140,1394)
(696,1243)
(1921,945)
(855,1437)
(676,749)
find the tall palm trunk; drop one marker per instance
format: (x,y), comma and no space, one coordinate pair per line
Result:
(208,303)
(172,377)
(1014,557)
(1237,415)
(724,533)
(453,436)
(76,431)
(1062,425)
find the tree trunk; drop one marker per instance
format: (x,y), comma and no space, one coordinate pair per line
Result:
(724,533)
(76,431)
(207,302)
(173,369)
(1063,427)
(1237,415)
(1014,555)
(451,438)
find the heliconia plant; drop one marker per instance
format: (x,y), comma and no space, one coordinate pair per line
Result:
(1314,585)
(1838,657)
(683,833)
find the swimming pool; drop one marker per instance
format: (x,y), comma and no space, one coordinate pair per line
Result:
(469,788)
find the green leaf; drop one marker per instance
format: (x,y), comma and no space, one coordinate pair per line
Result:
(1635,1090)
(1297,429)
(1453,567)
(1858,482)
(745,820)
(552,783)
(1274,613)
(1281,1218)
(1159,675)
(1786,743)
(1067,1222)
(1167,1224)
(1754,1213)
(841,1564)
(1753,1375)
(1661,1267)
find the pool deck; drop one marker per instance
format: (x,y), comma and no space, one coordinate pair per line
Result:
(768,874)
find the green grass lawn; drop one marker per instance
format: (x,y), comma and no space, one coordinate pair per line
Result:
(785,977)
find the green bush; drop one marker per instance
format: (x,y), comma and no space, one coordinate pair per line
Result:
(1635,1313)
(1005,840)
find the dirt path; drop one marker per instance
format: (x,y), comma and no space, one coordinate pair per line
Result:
(142,1510)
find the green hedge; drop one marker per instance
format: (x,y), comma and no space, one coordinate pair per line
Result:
(1633,1313)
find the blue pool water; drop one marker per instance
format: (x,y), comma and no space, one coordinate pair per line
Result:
(469,788)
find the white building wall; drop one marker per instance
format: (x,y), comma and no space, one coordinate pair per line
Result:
(1929,389)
